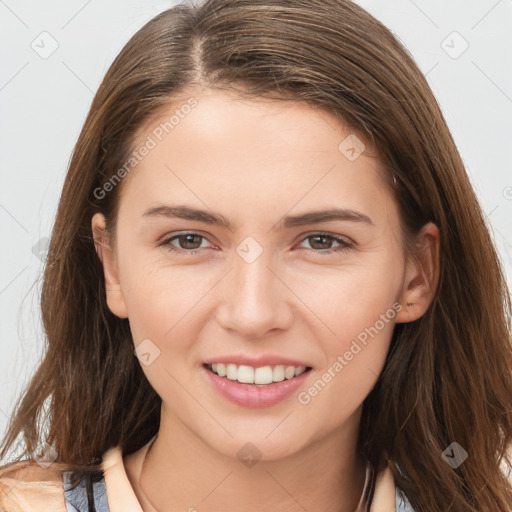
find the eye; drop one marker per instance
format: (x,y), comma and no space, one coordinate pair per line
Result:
(322,243)
(188,242)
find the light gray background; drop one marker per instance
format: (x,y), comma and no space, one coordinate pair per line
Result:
(44,102)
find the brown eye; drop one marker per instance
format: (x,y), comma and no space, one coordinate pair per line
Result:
(189,241)
(322,243)
(186,242)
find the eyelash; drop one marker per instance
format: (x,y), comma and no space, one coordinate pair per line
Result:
(344,247)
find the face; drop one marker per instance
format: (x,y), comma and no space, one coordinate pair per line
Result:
(244,272)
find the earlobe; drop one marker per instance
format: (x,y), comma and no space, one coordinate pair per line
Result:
(421,276)
(114,295)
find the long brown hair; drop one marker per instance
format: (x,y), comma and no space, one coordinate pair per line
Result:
(448,375)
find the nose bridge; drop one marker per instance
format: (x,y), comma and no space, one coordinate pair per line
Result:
(253,299)
(252,279)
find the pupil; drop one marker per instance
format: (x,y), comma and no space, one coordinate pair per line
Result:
(188,239)
(321,237)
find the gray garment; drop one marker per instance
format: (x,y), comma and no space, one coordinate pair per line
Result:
(402,503)
(76,499)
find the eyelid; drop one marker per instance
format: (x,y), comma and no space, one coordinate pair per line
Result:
(343,238)
(184,232)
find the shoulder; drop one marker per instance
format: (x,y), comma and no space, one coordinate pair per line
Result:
(26,486)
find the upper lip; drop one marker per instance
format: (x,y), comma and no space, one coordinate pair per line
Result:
(256,362)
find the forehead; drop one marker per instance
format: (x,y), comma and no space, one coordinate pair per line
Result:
(218,147)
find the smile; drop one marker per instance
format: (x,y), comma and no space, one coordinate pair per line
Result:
(260,376)
(262,391)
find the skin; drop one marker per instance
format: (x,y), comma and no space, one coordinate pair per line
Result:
(254,162)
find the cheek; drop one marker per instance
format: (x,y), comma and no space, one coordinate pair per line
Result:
(356,310)
(350,298)
(163,301)
(356,356)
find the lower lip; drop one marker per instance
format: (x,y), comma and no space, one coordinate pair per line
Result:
(254,396)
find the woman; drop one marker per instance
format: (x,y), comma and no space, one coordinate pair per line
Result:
(336,335)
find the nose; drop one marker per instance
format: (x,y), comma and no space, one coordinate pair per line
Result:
(255,299)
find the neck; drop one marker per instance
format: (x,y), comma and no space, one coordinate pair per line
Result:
(181,473)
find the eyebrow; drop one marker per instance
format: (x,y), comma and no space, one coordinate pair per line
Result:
(289,221)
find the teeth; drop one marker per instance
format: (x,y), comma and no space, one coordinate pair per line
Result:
(289,372)
(232,371)
(278,373)
(259,376)
(246,374)
(262,375)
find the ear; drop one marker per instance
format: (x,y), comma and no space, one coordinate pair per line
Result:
(108,258)
(421,275)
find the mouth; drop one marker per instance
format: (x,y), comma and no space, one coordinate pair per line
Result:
(256,386)
(261,376)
